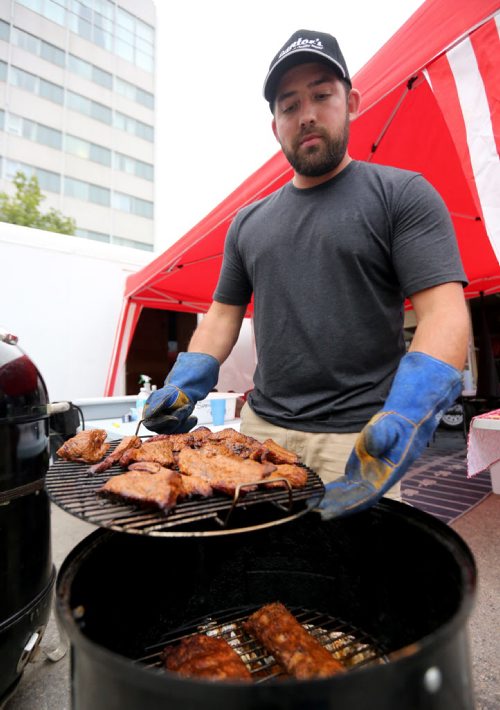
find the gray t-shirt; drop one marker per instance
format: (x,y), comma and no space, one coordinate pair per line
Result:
(329,268)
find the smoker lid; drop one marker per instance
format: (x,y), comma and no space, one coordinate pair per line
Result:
(23,394)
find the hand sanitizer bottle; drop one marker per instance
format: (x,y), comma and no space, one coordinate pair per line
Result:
(143,394)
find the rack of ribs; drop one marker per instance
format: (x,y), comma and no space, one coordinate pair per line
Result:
(87,446)
(206,657)
(294,648)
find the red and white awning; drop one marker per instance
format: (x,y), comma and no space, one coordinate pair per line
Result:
(430,103)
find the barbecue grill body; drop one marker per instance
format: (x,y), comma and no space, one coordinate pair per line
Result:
(27,574)
(396,573)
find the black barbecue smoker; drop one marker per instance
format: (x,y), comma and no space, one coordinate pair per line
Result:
(387,591)
(27,575)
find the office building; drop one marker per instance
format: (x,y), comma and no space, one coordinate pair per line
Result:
(77,109)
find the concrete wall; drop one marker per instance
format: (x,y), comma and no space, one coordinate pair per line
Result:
(62,297)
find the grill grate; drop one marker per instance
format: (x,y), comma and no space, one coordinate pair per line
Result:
(73,489)
(349,645)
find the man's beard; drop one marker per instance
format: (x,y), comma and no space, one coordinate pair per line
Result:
(318,159)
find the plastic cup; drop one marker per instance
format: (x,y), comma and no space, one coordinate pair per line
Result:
(218,409)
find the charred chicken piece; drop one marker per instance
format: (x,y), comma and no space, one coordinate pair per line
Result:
(191,485)
(294,648)
(160,490)
(160,451)
(128,442)
(278,454)
(87,446)
(224,473)
(296,475)
(208,657)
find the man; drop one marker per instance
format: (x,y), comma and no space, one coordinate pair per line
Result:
(329,259)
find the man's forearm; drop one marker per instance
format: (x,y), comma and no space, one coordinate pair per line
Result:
(218,332)
(443,324)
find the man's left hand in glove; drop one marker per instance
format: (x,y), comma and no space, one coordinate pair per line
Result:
(422,390)
(169,409)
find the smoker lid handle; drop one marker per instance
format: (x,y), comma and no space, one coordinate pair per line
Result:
(58,407)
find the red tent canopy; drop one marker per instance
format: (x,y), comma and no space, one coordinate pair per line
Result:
(430,103)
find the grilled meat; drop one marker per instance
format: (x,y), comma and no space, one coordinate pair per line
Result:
(160,490)
(191,485)
(196,486)
(160,451)
(224,473)
(87,446)
(206,657)
(296,475)
(179,441)
(277,454)
(128,442)
(243,446)
(294,648)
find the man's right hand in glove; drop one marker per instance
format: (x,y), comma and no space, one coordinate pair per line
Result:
(168,410)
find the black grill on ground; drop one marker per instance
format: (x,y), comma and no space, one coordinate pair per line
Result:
(401,582)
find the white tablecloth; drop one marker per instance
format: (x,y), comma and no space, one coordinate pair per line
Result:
(483,446)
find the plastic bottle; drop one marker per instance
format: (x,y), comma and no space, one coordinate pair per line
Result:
(143,394)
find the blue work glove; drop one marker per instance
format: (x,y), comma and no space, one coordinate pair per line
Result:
(168,409)
(422,390)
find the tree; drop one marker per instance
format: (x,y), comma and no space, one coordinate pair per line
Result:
(24,207)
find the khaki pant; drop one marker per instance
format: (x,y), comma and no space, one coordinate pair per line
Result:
(326,454)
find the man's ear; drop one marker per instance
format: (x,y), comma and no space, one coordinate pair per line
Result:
(353,104)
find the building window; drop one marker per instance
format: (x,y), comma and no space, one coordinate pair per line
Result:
(134,93)
(96,236)
(87,191)
(35,5)
(47,179)
(55,12)
(50,91)
(134,205)
(89,151)
(130,165)
(19,126)
(107,238)
(103,23)
(121,241)
(23,79)
(80,103)
(132,125)
(48,136)
(4,30)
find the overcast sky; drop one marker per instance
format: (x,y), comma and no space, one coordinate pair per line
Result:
(213,127)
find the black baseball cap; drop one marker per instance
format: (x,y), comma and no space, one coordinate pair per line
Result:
(304,46)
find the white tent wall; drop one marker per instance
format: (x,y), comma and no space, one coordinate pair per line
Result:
(62,297)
